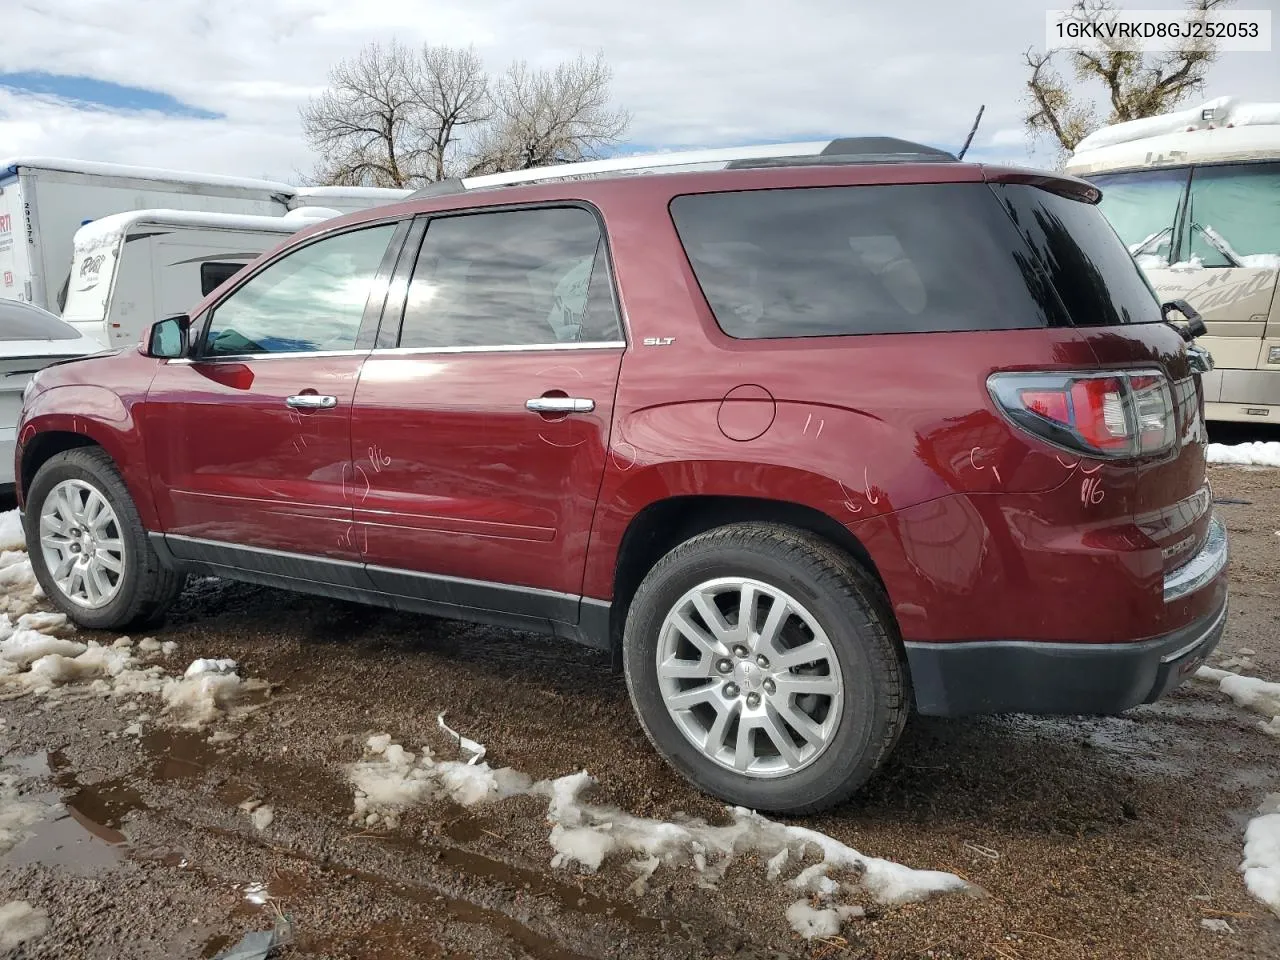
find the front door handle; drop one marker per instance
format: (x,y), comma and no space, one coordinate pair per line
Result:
(311,401)
(560,405)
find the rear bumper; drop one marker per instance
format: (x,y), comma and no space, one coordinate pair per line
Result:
(1012,676)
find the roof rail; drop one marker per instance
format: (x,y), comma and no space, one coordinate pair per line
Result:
(840,150)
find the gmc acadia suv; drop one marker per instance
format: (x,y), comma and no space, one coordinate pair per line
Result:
(805,440)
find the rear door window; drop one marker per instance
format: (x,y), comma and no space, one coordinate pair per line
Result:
(535,277)
(830,261)
(1092,270)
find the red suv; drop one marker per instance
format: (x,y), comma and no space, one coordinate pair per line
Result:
(805,440)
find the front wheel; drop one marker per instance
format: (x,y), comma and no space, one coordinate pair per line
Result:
(88,547)
(763,665)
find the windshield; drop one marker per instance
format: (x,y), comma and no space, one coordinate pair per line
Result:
(1235,215)
(22,321)
(1143,207)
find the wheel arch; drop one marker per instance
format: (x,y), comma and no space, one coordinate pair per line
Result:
(662,525)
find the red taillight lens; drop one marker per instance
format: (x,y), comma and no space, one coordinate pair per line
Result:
(1100,418)
(1052,404)
(1108,415)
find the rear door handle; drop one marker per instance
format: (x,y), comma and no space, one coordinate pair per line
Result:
(560,405)
(311,401)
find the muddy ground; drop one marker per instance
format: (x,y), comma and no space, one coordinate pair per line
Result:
(1107,838)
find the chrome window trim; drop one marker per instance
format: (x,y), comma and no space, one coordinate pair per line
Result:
(1201,569)
(283,355)
(504,348)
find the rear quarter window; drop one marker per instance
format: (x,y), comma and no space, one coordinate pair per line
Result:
(831,261)
(1095,275)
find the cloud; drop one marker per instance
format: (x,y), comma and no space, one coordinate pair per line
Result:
(706,74)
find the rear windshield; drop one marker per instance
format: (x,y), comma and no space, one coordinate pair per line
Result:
(21,322)
(1090,267)
(824,261)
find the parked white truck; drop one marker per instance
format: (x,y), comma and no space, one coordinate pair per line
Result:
(44,201)
(130,269)
(1196,197)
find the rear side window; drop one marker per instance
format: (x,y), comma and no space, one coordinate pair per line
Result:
(1090,267)
(830,261)
(512,278)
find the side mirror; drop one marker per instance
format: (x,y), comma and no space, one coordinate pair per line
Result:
(167,338)
(1195,323)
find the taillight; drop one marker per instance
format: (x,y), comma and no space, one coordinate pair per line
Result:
(1113,414)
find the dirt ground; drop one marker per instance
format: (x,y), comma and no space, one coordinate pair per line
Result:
(1108,838)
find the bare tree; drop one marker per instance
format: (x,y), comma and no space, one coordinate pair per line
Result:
(543,117)
(1135,84)
(451,92)
(362,125)
(394,118)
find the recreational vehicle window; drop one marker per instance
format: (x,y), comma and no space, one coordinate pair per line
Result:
(214,274)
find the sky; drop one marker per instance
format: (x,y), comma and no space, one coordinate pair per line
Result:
(216,87)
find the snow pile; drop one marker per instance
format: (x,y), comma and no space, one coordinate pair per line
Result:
(208,690)
(20,922)
(16,814)
(1261,864)
(11,535)
(1255,453)
(18,587)
(1249,693)
(390,779)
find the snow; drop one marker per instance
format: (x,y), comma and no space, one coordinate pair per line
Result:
(465,744)
(1225,110)
(20,922)
(389,780)
(209,690)
(1249,693)
(262,817)
(16,814)
(24,647)
(1261,864)
(109,230)
(11,535)
(199,667)
(1258,453)
(144,173)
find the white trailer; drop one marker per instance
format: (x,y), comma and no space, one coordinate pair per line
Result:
(1196,196)
(131,269)
(43,201)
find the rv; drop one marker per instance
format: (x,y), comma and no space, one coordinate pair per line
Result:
(1196,197)
(43,202)
(131,269)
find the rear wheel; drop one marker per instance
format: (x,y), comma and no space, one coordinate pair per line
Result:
(763,665)
(88,547)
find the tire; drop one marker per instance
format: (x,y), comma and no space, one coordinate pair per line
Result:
(853,614)
(144,589)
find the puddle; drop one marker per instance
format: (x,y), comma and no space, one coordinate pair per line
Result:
(179,754)
(29,766)
(71,841)
(83,836)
